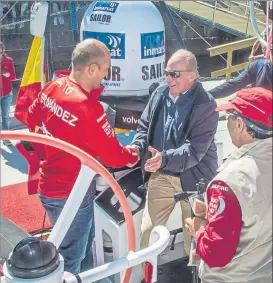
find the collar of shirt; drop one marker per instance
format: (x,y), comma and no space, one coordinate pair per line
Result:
(174,98)
(95,93)
(183,95)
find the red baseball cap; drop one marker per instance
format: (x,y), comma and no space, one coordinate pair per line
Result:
(253,103)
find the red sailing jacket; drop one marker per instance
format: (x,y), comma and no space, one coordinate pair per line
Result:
(66,111)
(218,242)
(7,65)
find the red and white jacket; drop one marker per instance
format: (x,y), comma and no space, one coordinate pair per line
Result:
(64,110)
(236,245)
(7,65)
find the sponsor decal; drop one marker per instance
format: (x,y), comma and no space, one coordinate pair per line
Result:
(152,45)
(113,74)
(104,6)
(58,110)
(101,18)
(154,71)
(107,128)
(114,41)
(127,119)
(216,206)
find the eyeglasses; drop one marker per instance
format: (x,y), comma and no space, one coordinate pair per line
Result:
(173,74)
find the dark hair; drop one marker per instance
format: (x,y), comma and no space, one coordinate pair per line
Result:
(257,135)
(256,129)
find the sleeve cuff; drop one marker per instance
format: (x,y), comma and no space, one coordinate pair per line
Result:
(140,148)
(164,159)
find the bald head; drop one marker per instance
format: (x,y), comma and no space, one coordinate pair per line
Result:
(89,51)
(185,58)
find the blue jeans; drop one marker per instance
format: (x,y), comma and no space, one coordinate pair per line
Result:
(5,107)
(76,247)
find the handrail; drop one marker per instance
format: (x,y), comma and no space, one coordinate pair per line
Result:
(226,11)
(229,48)
(255,26)
(132,259)
(245,5)
(87,161)
(162,236)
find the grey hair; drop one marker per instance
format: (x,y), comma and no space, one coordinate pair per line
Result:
(87,52)
(189,58)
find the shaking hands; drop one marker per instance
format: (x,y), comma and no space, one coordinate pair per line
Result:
(152,164)
(135,151)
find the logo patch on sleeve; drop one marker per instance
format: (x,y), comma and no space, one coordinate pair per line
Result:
(217,203)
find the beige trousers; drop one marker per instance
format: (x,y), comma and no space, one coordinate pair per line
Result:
(159,205)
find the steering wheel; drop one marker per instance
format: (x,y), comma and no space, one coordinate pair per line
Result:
(89,168)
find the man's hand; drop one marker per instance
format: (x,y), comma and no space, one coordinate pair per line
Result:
(6,74)
(133,147)
(193,225)
(135,151)
(154,163)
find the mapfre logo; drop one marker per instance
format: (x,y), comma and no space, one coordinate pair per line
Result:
(114,41)
(108,6)
(152,44)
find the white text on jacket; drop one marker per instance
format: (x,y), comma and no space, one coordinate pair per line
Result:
(65,115)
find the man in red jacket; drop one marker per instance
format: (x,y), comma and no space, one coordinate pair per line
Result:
(68,109)
(7,76)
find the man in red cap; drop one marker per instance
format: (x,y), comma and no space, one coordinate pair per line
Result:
(235,240)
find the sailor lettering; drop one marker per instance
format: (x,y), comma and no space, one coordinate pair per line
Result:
(58,110)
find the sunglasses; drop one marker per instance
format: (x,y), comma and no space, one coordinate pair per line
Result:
(173,74)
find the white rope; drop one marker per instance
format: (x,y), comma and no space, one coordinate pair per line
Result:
(8,11)
(28,20)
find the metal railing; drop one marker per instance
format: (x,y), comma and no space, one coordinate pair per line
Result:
(160,238)
(230,10)
(229,48)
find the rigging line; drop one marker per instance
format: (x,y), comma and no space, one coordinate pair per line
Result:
(28,20)
(203,39)
(8,11)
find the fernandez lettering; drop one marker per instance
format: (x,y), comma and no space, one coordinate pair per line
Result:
(65,115)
